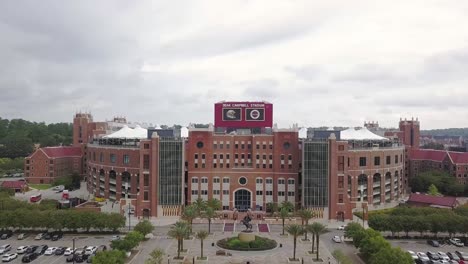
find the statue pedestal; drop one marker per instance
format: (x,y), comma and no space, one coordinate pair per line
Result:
(246,237)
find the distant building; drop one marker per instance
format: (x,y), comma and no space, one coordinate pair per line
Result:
(424,200)
(47,164)
(18,186)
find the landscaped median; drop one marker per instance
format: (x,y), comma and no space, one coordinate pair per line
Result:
(259,244)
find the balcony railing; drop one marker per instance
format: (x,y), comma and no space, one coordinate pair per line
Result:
(376,185)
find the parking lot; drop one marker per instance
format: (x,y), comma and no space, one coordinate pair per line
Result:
(422,246)
(81,240)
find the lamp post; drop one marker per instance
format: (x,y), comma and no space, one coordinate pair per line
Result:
(127,200)
(168,258)
(73,250)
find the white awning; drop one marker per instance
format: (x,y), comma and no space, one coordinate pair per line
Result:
(127,132)
(360,133)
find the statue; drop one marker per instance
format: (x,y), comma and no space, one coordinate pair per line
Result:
(246,221)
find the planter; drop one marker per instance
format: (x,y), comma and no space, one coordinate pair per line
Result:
(317,260)
(308,241)
(297,260)
(201,261)
(176,260)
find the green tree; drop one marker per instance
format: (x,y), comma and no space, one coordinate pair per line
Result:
(389,255)
(432,190)
(156,257)
(209,214)
(109,257)
(372,245)
(144,227)
(284,213)
(421,224)
(305,215)
(316,229)
(341,257)
(352,229)
(288,205)
(271,207)
(179,231)
(214,204)
(199,205)
(295,230)
(114,221)
(202,235)
(379,222)
(190,213)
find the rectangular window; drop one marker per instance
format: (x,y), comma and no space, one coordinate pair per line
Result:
(282,156)
(258,146)
(290,181)
(289,157)
(282,166)
(146,146)
(215,146)
(194,180)
(270,156)
(388,160)
(242,156)
(225,180)
(249,146)
(216,192)
(204,180)
(203,165)
(340,198)
(236,156)
(196,165)
(214,165)
(214,156)
(340,182)
(341,147)
(146,180)
(221,156)
(264,146)
(242,146)
(204,192)
(281,181)
(269,181)
(146,196)
(227,156)
(146,162)
(280,193)
(396,159)
(259,181)
(290,193)
(227,165)
(340,163)
(196,156)
(216,180)
(126,159)
(376,161)
(270,166)
(194,192)
(228,145)
(236,146)
(203,156)
(289,166)
(112,158)
(94,156)
(225,192)
(269,193)
(362,161)
(221,145)
(264,166)
(101,157)
(259,192)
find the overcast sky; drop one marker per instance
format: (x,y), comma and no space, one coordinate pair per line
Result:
(321,63)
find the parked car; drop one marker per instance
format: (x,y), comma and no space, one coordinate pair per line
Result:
(443,256)
(115,237)
(342,227)
(31,249)
(432,255)
(462,255)
(9,257)
(60,251)
(41,249)
(81,258)
(413,254)
(47,236)
(58,188)
(90,258)
(70,258)
(5,248)
(68,251)
(101,248)
(29,257)
(456,242)
(433,243)
(453,256)
(39,236)
(422,256)
(50,251)
(23,236)
(6,234)
(336,239)
(56,236)
(90,250)
(21,249)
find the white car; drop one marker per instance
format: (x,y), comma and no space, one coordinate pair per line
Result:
(90,250)
(9,257)
(68,251)
(5,248)
(443,256)
(115,237)
(39,236)
(413,254)
(341,227)
(422,256)
(337,239)
(457,242)
(50,251)
(21,249)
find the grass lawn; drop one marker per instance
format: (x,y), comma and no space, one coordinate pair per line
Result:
(40,186)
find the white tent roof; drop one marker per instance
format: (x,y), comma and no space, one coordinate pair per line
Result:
(184,132)
(140,132)
(303,132)
(126,132)
(360,133)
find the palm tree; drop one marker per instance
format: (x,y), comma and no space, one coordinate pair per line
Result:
(295,230)
(189,213)
(199,205)
(202,235)
(214,203)
(305,215)
(288,205)
(179,231)
(283,214)
(316,229)
(209,214)
(272,207)
(156,257)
